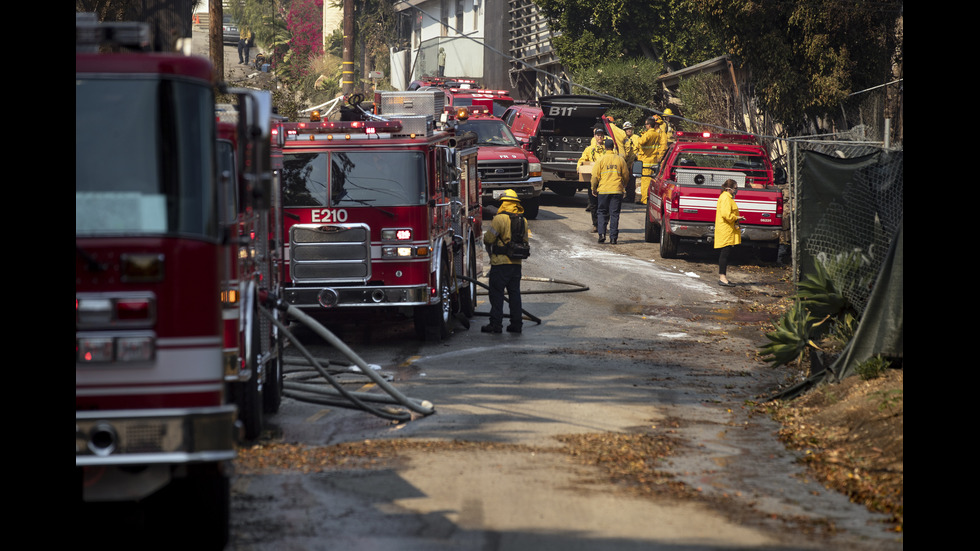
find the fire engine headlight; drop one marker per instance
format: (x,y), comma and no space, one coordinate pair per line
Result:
(93,311)
(394,252)
(93,349)
(134,349)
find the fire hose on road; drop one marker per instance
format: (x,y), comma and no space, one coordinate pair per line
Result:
(574,288)
(388,403)
(342,396)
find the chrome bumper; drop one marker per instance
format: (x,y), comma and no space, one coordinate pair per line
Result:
(154,436)
(342,297)
(532,187)
(705,231)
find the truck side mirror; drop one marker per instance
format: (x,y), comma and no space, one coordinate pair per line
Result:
(452,188)
(779,176)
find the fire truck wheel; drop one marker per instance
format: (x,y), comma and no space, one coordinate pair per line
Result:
(531,207)
(467,296)
(434,322)
(250,400)
(668,242)
(651,233)
(272,391)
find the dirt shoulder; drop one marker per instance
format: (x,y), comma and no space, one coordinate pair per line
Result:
(851,433)
(852,437)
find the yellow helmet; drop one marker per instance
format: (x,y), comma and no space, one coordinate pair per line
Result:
(510,195)
(668,112)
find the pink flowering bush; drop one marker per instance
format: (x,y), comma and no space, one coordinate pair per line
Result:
(305,25)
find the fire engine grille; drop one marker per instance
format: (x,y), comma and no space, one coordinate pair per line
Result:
(502,171)
(330,253)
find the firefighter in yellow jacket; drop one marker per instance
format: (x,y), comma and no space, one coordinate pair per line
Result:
(591,155)
(727,231)
(630,148)
(664,130)
(505,272)
(650,144)
(609,177)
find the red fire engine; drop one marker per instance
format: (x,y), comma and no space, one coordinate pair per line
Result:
(683,194)
(502,163)
(154,433)
(382,214)
(252,346)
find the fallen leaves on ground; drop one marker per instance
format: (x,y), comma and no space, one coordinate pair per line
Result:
(852,438)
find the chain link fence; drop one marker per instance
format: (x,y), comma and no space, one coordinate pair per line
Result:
(847,204)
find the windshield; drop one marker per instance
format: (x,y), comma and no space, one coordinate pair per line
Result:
(489,132)
(353,178)
(144,158)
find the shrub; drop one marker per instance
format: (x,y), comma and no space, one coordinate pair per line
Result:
(872,368)
(794,332)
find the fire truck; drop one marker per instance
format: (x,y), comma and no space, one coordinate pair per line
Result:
(382,215)
(251,217)
(683,195)
(154,431)
(502,163)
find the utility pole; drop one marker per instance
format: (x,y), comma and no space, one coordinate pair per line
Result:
(216,42)
(347,67)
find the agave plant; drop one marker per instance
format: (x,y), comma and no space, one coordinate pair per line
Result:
(794,333)
(818,294)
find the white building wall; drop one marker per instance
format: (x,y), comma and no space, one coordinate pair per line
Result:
(463,40)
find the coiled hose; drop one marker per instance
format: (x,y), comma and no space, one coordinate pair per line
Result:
(344,398)
(315,394)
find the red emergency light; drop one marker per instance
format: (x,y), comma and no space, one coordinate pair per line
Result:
(351,128)
(682,135)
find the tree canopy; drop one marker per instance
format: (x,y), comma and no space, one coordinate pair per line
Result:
(805,57)
(593,31)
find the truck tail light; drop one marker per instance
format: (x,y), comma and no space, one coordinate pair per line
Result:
(675,203)
(779,207)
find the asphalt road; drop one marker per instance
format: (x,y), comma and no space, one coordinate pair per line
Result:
(650,347)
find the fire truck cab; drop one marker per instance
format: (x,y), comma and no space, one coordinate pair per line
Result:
(502,163)
(154,432)
(382,215)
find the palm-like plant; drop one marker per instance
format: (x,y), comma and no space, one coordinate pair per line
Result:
(794,333)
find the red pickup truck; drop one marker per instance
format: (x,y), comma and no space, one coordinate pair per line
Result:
(682,197)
